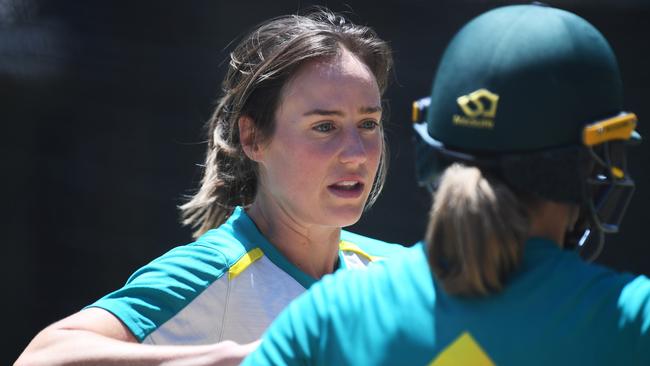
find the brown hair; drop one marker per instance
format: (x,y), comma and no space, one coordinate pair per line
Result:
(476,232)
(262,63)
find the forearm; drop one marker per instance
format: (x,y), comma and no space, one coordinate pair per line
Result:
(81,347)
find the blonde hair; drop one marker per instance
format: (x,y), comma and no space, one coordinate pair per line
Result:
(476,232)
(259,67)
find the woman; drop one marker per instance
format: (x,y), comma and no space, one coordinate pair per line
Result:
(525,124)
(296,152)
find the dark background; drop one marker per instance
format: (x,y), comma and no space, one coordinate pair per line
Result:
(102,107)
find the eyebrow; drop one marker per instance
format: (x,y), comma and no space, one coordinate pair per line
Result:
(325,112)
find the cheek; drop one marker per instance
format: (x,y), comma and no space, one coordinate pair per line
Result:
(303,151)
(373,151)
(313,160)
(301,163)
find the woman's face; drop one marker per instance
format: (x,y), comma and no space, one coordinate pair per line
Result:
(320,164)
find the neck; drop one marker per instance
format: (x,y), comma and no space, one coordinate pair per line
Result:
(312,248)
(551,220)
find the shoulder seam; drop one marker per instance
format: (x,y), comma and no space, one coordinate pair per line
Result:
(148,333)
(244,262)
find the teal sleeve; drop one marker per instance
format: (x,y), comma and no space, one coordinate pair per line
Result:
(159,290)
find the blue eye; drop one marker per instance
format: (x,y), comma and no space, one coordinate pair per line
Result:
(324,127)
(369,124)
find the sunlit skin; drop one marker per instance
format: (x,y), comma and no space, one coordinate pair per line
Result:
(317,170)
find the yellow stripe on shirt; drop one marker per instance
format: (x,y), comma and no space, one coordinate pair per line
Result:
(243,262)
(349,247)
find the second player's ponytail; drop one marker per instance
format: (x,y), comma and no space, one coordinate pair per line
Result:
(476,232)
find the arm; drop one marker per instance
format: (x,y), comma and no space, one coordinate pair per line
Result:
(95,337)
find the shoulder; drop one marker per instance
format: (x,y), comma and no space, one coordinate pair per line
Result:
(372,247)
(209,257)
(609,310)
(203,261)
(226,246)
(595,284)
(634,304)
(637,292)
(620,305)
(601,281)
(159,290)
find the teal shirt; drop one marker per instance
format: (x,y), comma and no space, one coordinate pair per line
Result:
(228,285)
(556,310)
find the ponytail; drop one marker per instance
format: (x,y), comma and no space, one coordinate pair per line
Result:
(476,232)
(229,178)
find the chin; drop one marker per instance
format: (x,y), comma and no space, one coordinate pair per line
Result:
(344,216)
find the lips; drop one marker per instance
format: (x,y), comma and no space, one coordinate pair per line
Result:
(352,188)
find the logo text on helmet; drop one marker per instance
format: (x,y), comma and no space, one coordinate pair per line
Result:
(479,108)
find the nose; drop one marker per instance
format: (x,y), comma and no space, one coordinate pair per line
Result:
(354,149)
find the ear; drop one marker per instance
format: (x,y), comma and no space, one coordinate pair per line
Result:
(248,138)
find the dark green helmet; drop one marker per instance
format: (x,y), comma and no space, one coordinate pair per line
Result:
(533,94)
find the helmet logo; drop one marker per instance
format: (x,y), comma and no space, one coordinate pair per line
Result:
(479,108)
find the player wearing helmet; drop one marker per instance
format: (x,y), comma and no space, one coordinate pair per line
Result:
(524,146)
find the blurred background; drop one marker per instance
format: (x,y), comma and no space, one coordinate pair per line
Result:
(102,108)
